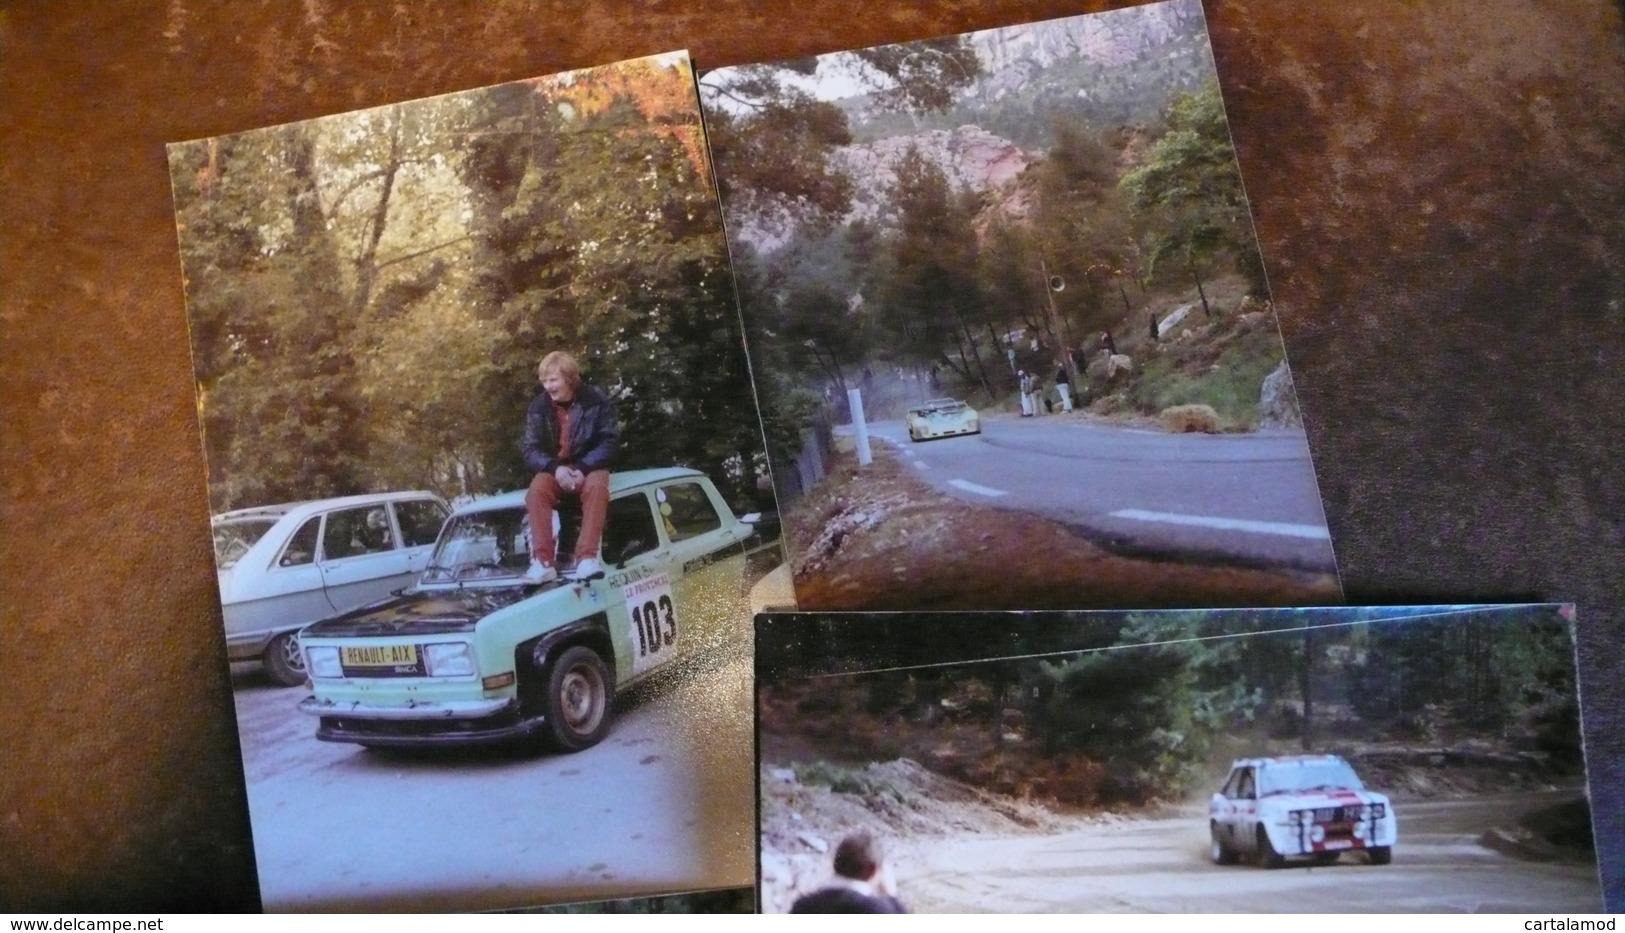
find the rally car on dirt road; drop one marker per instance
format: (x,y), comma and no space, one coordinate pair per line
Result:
(942,417)
(1299,805)
(471,653)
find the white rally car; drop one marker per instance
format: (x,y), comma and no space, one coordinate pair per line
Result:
(942,417)
(1299,805)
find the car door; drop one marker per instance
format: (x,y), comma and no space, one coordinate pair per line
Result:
(418,522)
(360,559)
(707,547)
(1245,801)
(287,594)
(646,625)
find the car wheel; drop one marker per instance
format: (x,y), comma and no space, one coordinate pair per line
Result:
(1381,855)
(578,696)
(1267,856)
(284,661)
(1326,858)
(1219,852)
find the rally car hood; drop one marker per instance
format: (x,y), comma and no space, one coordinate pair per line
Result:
(1313,799)
(420,612)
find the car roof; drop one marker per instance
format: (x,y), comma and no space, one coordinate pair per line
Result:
(312,506)
(618,483)
(1288,760)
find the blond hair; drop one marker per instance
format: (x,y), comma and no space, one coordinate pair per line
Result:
(562,363)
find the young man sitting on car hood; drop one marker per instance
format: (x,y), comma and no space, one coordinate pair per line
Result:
(570,441)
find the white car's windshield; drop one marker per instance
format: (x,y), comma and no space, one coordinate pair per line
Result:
(487,546)
(1308,775)
(233,539)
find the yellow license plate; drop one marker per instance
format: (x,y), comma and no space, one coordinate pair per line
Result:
(380,656)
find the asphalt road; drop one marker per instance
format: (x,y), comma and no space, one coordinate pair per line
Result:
(1161,866)
(1244,498)
(664,804)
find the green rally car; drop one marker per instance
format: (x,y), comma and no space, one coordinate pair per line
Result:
(471,653)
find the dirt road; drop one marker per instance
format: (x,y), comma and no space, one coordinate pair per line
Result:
(664,804)
(1161,866)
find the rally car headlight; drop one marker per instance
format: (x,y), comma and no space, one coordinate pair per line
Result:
(1295,817)
(1378,811)
(449,659)
(1317,833)
(323,662)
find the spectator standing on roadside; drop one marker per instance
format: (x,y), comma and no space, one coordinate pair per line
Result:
(863,882)
(1024,387)
(1063,385)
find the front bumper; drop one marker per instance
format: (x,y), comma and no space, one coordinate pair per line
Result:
(420,724)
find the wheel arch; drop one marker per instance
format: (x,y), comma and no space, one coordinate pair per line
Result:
(533,656)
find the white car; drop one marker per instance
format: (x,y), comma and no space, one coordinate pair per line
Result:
(285,566)
(942,417)
(1299,805)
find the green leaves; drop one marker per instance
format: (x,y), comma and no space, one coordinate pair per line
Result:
(371,292)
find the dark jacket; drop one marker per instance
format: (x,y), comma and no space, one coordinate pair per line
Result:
(594,435)
(846,901)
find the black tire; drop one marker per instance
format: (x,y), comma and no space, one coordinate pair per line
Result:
(578,699)
(1267,856)
(1218,851)
(1326,858)
(1381,855)
(283,660)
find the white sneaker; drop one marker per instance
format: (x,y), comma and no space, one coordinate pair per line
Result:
(587,568)
(539,572)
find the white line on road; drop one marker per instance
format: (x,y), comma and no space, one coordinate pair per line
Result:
(979,490)
(1226,524)
(922,464)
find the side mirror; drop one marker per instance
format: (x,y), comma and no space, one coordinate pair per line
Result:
(752,518)
(630,550)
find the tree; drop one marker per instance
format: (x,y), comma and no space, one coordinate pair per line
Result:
(772,140)
(931,296)
(1188,193)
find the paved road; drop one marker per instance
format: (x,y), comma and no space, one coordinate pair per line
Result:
(1161,866)
(664,804)
(1247,498)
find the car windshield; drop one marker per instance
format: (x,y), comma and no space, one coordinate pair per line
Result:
(1283,777)
(486,547)
(233,539)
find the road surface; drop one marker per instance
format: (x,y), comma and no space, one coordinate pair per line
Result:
(1161,866)
(1244,498)
(664,804)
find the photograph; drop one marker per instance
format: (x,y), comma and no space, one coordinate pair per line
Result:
(1421,759)
(1010,328)
(490,493)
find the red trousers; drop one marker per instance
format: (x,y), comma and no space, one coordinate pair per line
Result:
(544,493)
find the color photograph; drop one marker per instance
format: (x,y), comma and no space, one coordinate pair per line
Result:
(489,493)
(1011,332)
(1350,760)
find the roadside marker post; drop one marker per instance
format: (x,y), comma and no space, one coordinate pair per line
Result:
(860,428)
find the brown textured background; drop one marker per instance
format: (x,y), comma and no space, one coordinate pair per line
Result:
(1438,188)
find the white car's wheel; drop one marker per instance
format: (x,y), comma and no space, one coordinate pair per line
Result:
(1218,851)
(1267,856)
(1380,855)
(284,661)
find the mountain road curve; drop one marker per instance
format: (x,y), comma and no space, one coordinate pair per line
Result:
(1248,499)
(1160,865)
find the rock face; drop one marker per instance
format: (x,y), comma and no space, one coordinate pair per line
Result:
(1117,37)
(1278,402)
(970,156)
